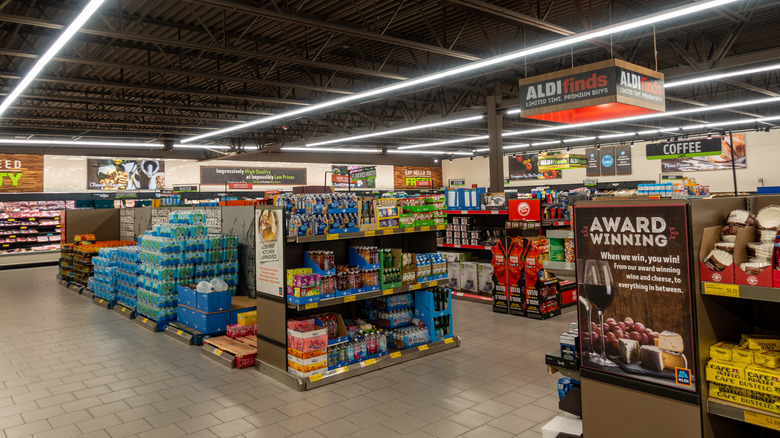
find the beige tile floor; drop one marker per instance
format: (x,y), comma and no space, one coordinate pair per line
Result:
(71,369)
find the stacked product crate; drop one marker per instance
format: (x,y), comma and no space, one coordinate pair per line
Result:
(128,270)
(181,252)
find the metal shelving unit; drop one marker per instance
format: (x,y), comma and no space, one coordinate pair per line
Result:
(367,295)
(359,234)
(745,414)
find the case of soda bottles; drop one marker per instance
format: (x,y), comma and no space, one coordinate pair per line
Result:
(433,308)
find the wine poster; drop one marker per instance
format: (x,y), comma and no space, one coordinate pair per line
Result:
(635,295)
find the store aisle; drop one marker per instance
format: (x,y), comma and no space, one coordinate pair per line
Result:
(69,368)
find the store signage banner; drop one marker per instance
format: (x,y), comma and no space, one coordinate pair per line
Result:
(607,160)
(363,177)
(182,189)
(523,167)
(21,173)
(623,159)
(406,177)
(562,161)
(593,168)
(524,209)
(269,251)
(719,157)
(240,186)
(125,174)
(212,175)
(684,148)
(599,91)
(633,270)
(454,183)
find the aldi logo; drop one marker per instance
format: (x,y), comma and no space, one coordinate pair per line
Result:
(683,376)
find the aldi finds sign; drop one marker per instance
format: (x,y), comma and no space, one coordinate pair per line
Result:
(684,148)
(600,91)
(21,173)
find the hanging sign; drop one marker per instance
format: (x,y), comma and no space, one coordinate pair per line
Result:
(684,148)
(527,167)
(718,160)
(125,174)
(607,160)
(406,177)
(593,168)
(21,173)
(562,161)
(623,160)
(600,91)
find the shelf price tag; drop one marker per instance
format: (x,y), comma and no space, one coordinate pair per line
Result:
(369,233)
(433,283)
(179,332)
(408,230)
(332,237)
(428,228)
(122,310)
(144,320)
(724,290)
(311,306)
(395,354)
(32,219)
(11,220)
(315,377)
(423,347)
(342,370)
(388,231)
(368,362)
(387,291)
(218,352)
(762,420)
(416,287)
(24,228)
(449,341)
(349,298)
(441,227)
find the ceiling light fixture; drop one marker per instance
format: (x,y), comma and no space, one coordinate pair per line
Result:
(345,150)
(63,39)
(605,122)
(715,77)
(674,13)
(398,130)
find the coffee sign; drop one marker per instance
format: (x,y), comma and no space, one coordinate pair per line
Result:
(21,173)
(684,148)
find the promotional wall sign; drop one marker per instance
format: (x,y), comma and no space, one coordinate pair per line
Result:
(561,161)
(125,174)
(607,160)
(21,173)
(240,186)
(623,160)
(524,210)
(269,251)
(182,189)
(527,167)
(590,182)
(599,91)
(212,175)
(634,285)
(363,177)
(406,177)
(713,154)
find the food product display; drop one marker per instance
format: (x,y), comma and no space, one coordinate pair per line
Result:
(27,226)
(181,252)
(464,230)
(746,373)
(116,272)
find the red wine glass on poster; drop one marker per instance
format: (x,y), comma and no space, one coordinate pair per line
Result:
(590,354)
(598,286)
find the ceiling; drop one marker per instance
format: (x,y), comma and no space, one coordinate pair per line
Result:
(143,70)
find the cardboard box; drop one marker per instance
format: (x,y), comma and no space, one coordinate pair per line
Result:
(453,271)
(212,301)
(308,340)
(710,236)
(207,323)
(468,277)
(187,295)
(485,282)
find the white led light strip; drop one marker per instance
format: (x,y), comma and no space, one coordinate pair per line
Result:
(675,13)
(601,122)
(87,143)
(63,39)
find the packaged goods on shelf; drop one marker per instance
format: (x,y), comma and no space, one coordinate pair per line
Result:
(318,214)
(179,253)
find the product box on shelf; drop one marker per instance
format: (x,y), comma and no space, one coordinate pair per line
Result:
(341,329)
(409,269)
(453,270)
(302,324)
(710,236)
(187,295)
(390,275)
(468,277)
(356,259)
(485,283)
(238,330)
(312,267)
(306,341)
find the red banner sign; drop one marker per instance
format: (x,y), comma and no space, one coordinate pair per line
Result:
(246,186)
